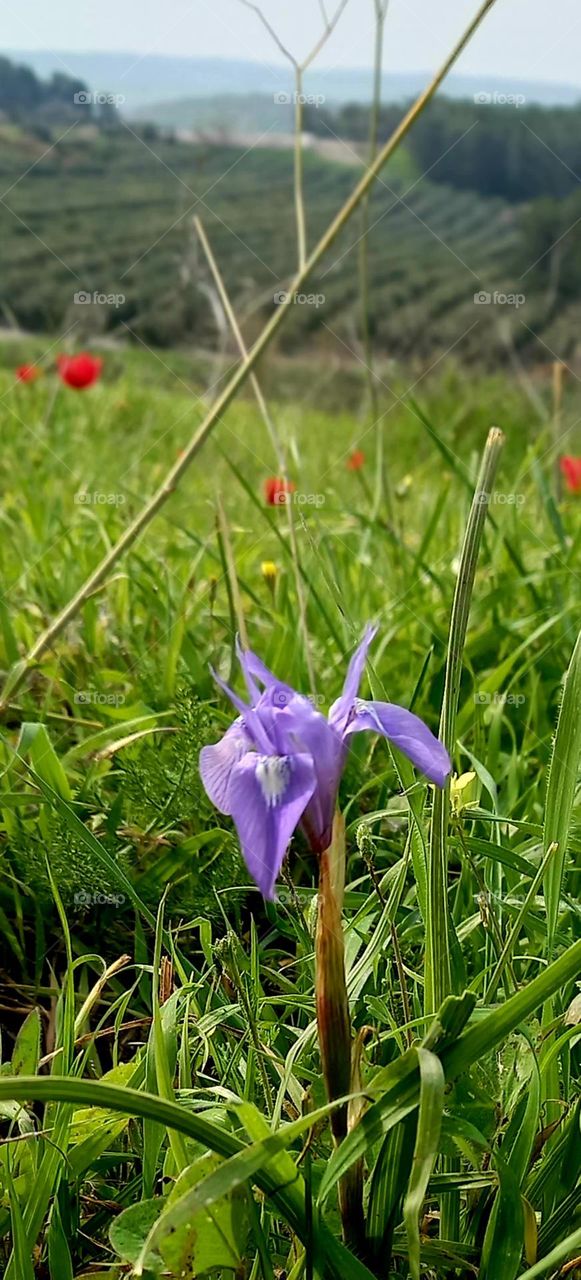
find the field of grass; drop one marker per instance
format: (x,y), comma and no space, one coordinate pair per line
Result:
(114,215)
(161,1098)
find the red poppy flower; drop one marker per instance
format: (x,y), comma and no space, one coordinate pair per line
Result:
(28,372)
(276,490)
(79,371)
(571,472)
(356,460)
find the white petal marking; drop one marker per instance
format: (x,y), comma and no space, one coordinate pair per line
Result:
(273,774)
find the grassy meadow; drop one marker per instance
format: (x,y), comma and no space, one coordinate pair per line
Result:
(161,1100)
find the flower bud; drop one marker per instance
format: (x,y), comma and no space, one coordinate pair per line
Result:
(269,571)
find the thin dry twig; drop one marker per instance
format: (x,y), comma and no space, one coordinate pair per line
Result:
(299,70)
(276,443)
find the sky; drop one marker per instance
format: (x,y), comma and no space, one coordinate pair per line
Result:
(526,39)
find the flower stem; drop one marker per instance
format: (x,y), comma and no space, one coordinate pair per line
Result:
(334,1021)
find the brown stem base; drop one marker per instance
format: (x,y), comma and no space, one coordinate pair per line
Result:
(334,1023)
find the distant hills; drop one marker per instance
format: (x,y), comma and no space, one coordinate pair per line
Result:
(26,99)
(173,91)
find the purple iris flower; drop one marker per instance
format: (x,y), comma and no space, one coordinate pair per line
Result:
(279,765)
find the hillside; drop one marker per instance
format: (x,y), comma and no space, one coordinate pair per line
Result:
(113,214)
(148,81)
(125,228)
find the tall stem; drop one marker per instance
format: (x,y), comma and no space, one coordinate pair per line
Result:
(438,966)
(276,444)
(381,479)
(557,424)
(334,1021)
(298,168)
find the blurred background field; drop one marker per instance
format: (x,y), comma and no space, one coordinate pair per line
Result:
(479,201)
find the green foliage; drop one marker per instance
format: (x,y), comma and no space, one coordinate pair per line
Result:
(129,1055)
(498,144)
(23,97)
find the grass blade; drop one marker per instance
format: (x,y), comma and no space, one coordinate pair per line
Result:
(563,772)
(432,1085)
(438,966)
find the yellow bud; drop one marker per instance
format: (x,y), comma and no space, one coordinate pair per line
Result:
(404,486)
(464,790)
(269,570)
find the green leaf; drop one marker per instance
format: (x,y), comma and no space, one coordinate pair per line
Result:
(561,786)
(59,1254)
(432,1085)
(112,1273)
(34,742)
(388,1182)
(505,1233)
(287,1198)
(27,1047)
(561,1253)
(440,934)
(10,641)
(21,1252)
(129,1231)
(503,1243)
(93,1129)
(164,1042)
(398,1085)
(90,841)
(96,741)
(15,678)
(198,1229)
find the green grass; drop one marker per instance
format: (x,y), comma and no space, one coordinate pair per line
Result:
(185,1128)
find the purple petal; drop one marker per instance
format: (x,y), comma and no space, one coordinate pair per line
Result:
(342,708)
(244,656)
(258,668)
(252,723)
(217,763)
(407,732)
(268,796)
(297,726)
(255,669)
